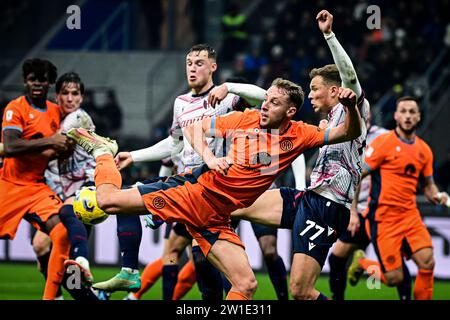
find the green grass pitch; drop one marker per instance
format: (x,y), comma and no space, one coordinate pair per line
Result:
(24,282)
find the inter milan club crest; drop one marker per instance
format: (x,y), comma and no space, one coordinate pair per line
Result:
(159,203)
(286,145)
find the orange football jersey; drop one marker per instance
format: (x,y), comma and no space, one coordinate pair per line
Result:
(33,123)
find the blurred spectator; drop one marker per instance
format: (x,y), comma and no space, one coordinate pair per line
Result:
(447,35)
(239,68)
(196,10)
(113,113)
(234,31)
(154,17)
(443,173)
(3,104)
(253,63)
(90,107)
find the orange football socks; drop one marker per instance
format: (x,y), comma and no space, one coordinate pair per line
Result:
(234,295)
(106,171)
(423,287)
(59,253)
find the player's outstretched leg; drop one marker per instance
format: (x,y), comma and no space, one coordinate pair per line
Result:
(109,182)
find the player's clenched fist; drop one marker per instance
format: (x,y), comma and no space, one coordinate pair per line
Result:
(325,20)
(347,97)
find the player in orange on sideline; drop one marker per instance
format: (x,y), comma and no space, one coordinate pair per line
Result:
(29,134)
(264,144)
(396,160)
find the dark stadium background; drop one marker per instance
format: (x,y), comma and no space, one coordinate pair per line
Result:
(130,55)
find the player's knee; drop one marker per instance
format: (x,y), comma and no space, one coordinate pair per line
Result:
(170,258)
(270,254)
(41,245)
(247,286)
(393,280)
(343,250)
(427,263)
(300,292)
(175,249)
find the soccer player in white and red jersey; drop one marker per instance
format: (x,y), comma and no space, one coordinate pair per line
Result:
(188,108)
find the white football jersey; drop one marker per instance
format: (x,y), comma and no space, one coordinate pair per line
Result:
(190,108)
(65,176)
(338,168)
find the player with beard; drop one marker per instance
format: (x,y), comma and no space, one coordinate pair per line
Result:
(396,161)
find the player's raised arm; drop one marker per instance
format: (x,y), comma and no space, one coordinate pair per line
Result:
(340,57)
(15,145)
(254,95)
(351,128)
(172,145)
(163,149)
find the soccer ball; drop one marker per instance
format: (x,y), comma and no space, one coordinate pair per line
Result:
(86,208)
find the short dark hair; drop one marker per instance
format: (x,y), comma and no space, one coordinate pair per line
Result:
(329,74)
(69,77)
(212,54)
(293,90)
(407,98)
(39,67)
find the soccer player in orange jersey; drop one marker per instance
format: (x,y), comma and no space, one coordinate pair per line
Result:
(29,134)
(263,144)
(396,161)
